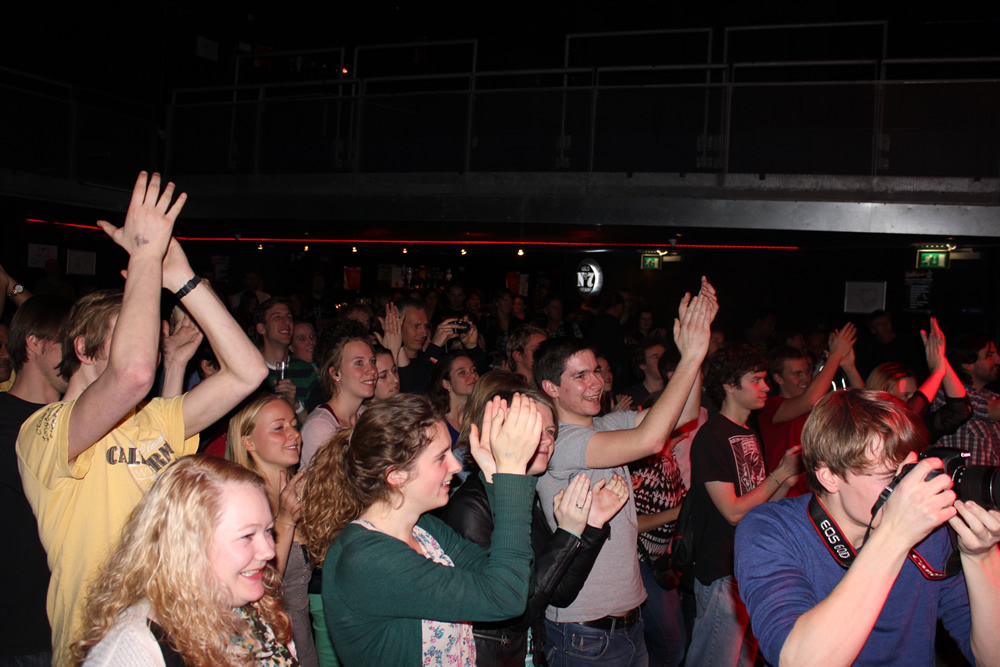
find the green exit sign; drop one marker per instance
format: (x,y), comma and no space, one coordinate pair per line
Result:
(932,259)
(651,261)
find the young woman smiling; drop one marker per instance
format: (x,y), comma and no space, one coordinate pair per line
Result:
(263,437)
(399,586)
(387,384)
(452,383)
(348,376)
(190,581)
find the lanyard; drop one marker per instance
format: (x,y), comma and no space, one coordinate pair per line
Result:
(842,551)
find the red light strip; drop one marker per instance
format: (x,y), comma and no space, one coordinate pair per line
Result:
(447,242)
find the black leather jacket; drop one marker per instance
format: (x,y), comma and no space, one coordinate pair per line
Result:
(562,565)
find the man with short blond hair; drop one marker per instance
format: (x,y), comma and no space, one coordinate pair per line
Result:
(87,460)
(803,571)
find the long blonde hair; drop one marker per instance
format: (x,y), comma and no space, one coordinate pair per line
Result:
(161,558)
(349,473)
(241,425)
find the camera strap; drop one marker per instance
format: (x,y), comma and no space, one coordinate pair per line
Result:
(844,553)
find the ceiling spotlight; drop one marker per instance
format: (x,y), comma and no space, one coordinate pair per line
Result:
(306,249)
(463,251)
(404,251)
(520,252)
(260,246)
(354,248)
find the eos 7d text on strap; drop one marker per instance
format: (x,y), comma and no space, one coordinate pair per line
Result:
(842,551)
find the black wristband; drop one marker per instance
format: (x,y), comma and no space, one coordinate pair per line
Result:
(188,286)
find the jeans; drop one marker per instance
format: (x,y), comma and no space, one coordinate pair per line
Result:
(722,633)
(572,644)
(661,614)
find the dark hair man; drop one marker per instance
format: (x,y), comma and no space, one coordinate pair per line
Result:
(287,376)
(521,346)
(645,362)
(554,325)
(86,462)
(728,479)
(974,357)
(816,597)
(604,622)
(35,352)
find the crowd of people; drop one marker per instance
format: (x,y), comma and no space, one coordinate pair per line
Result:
(435,478)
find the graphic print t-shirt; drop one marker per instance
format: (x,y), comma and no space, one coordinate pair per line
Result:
(722,452)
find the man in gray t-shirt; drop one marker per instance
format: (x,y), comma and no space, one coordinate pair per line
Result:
(604,620)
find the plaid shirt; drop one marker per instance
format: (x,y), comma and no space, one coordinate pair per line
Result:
(980,436)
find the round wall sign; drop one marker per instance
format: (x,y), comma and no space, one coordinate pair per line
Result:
(589,278)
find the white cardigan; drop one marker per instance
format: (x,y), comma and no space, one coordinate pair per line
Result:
(129,643)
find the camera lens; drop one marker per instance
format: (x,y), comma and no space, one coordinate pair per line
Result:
(979,484)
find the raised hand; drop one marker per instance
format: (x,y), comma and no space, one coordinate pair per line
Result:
(609,498)
(479,444)
(181,342)
(622,403)
(842,342)
(444,332)
(934,346)
(917,506)
(692,328)
(392,328)
(573,505)
(516,441)
(149,221)
(471,337)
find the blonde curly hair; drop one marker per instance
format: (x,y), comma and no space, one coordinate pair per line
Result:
(162,558)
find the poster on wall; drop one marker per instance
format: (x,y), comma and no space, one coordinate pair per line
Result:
(39,253)
(917,285)
(864,297)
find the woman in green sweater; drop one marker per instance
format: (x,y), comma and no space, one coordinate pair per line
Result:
(399,586)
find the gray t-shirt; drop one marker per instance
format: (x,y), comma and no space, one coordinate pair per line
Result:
(614,585)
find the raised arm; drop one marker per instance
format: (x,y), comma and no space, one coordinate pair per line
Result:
(131,365)
(241,368)
(941,372)
(692,331)
(841,345)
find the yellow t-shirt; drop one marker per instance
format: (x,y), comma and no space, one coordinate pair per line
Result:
(81,510)
(5,386)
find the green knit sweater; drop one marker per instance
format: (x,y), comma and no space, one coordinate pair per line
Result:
(377,590)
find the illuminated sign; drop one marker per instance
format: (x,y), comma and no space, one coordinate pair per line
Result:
(589,278)
(932,259)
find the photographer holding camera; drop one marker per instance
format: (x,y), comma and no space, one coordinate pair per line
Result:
(815,596)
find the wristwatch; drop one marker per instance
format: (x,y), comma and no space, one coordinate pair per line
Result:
(15,290)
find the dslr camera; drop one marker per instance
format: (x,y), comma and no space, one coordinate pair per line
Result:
(979,484)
